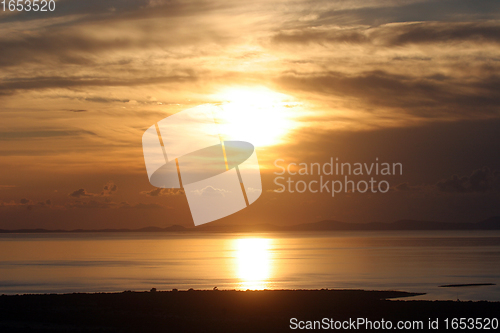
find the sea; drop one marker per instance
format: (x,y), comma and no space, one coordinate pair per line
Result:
(412,261)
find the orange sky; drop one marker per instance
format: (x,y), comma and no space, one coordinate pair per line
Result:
(411,81)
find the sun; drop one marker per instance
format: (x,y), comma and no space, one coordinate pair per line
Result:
(258,115)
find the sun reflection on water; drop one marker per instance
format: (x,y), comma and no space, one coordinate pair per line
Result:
(253,257)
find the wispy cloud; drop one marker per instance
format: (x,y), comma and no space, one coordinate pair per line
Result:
(395,34)
(17,135)
(109,189)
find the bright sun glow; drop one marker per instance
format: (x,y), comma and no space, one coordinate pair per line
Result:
(257,115)
(254,262)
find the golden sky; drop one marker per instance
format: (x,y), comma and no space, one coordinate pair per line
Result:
(407,81)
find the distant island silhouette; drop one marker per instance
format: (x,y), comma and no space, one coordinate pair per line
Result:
(467,285)
(492,223)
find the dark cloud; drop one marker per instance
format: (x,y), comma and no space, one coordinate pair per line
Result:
(426,97)
(80,12)
(106,100)
(395,35)
(426,33)
(75,7)
(433,10)
(162,191)
(108,189)
(81,193)
(57,47)
(480,180)
(321,37)
(67,42)
(10,86)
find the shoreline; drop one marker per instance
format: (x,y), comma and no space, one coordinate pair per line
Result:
(382,294)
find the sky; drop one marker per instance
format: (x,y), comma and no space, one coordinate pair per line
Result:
(401,81)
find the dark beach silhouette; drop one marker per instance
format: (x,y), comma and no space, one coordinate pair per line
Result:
(219,310)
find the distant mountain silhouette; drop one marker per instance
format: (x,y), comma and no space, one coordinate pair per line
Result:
(493,223)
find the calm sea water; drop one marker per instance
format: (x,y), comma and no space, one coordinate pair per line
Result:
(416,261)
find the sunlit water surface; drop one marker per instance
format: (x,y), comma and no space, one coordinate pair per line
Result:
(416,261)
